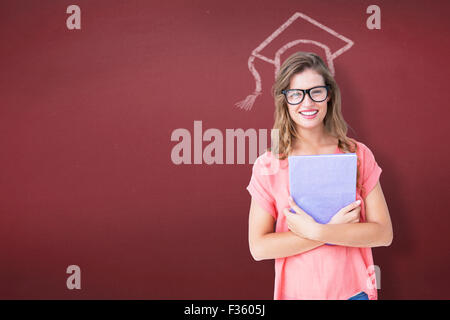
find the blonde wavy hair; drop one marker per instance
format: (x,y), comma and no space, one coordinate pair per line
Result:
(334,122)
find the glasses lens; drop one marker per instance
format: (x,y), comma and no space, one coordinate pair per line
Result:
(318,94)
(294,96)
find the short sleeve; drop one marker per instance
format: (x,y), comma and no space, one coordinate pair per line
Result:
(371,170)
(259,189)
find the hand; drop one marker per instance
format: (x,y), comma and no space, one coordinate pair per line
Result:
(300,223)
(348,214)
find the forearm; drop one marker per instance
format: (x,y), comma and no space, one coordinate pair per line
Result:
(282,244)
(369,234)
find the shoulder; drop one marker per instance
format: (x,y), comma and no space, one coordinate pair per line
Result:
(268,163)
(363,149)
(366,157)
(370,170)
(265,160)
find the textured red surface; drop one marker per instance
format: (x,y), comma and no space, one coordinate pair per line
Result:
(86,118)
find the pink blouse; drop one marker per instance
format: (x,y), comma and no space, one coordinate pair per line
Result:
(326,272)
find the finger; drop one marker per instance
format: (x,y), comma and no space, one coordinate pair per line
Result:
(289,218)
(288,223)
(351,206)
(287,212)
(291,228)
(354,214)
(294,205)
(354,205)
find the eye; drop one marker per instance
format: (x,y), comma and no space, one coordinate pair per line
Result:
(317,91)
(295,94)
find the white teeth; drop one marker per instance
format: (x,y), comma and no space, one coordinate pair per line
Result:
(309,113)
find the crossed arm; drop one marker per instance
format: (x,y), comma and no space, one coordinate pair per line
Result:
(305,234)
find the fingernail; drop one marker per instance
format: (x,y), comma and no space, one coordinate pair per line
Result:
(358,202)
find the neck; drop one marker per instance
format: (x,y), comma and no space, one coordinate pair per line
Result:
(312,138)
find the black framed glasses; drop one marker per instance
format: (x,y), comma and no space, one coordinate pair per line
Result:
(296,96)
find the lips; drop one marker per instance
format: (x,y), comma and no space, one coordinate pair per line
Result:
(309,112)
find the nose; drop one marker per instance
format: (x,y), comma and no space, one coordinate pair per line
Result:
(307,101)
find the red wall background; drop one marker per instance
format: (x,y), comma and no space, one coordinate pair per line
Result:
(86,118)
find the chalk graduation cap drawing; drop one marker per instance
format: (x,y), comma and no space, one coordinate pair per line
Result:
(299,29)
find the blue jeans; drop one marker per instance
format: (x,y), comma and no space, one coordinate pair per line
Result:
(360,296)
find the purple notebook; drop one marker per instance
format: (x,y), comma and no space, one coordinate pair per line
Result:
(323,184)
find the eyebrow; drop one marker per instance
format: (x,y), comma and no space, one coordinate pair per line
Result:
(320,85)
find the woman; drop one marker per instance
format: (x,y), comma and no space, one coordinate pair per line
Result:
(309,121)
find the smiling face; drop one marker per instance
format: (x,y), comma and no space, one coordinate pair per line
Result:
(305,80)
